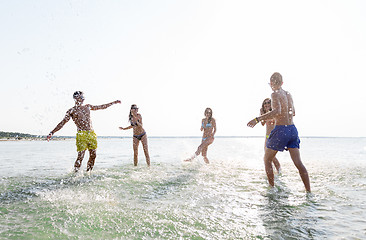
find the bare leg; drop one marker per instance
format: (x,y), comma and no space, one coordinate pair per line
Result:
(92,157)
(277,164)
(204,155)
(79,160)
(203,145)
(135,151)
(146,149)
(295,156)
(269,155)
(195,154)
(199,149)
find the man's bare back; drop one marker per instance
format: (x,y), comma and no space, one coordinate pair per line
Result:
(282,103)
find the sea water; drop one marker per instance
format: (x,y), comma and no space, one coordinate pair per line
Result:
(41,198)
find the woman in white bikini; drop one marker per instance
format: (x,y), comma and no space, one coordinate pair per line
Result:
(209,129)
(139,134)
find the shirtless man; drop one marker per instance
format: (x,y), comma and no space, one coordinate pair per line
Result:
(284,135)
(85,137)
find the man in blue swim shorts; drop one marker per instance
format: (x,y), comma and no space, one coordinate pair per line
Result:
(86,139)
(284,136)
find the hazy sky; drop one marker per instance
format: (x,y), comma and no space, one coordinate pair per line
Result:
(175,58)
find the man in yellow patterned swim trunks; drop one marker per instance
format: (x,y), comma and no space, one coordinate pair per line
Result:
(86,139)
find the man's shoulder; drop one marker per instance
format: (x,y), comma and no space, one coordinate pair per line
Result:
(280,92)
(287,94)
(70,111)
(74,109)
(274,94)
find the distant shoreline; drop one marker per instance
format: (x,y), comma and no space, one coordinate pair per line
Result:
(32,139)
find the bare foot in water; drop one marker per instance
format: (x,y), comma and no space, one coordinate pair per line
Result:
(190,159)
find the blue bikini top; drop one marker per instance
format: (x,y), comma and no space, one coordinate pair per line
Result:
(207,125)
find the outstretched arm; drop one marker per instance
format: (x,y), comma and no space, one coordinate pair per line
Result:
(126,128)
(104,106)
(60,125)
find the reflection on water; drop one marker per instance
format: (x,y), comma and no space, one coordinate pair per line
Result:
(227,199)
(286,216)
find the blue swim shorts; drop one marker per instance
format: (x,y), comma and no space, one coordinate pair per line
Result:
(283,137)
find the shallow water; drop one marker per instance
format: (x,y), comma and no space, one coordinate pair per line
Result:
(41,198)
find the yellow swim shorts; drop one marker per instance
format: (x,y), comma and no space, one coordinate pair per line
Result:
(86,140)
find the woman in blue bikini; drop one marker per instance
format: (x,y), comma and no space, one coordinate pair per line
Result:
(209,129)
(139,134)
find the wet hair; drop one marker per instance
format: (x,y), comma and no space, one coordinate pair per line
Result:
(77,94)
(276,78)
(265,100)
(210,117)
(130,117)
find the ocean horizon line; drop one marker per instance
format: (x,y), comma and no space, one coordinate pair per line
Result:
(101,136)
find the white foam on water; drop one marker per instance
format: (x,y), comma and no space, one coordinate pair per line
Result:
(229,198)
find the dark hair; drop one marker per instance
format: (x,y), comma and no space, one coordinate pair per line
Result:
(77,94)
(130,117)
(265,100)
(210,117)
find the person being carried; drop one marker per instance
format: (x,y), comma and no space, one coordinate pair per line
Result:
(208,127)
(139,134)
(85,137)
(284,135)
(270,124)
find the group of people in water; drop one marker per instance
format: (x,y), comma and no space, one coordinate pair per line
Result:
(276,113)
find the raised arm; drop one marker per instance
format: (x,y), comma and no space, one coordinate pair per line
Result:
(104,106)
(60,125)
(139,120)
